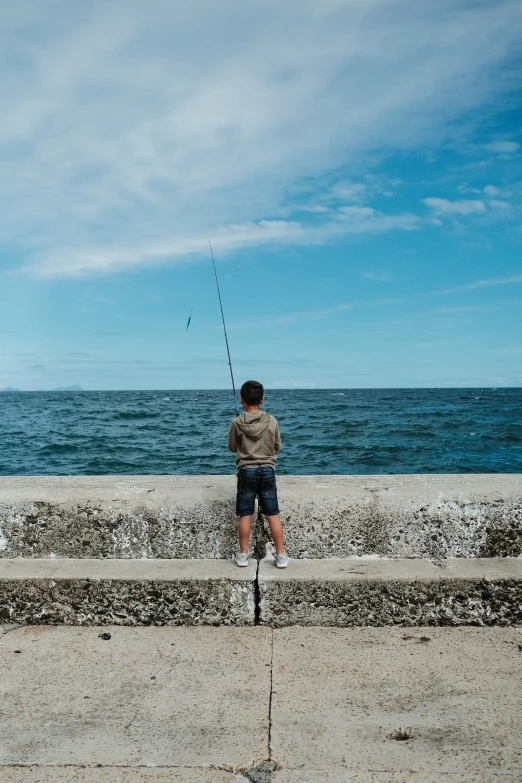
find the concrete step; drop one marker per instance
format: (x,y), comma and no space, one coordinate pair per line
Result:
(126,592)
(382,592)
(431,517)
(345,592)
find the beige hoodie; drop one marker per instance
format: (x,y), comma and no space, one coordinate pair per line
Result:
(255,439)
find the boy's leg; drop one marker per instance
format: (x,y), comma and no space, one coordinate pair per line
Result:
(276,529)
(245,504)
(243,530)
(270,506)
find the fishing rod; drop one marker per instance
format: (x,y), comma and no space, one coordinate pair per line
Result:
(224,330)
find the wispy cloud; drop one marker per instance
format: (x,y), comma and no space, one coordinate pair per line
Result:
(504,147)
(509,349)
(134,132)
(443,207)
(347,220)
(256,361)
(379,276)
(463,309)
(484,284)
(348,191)
(363,219)
(497,204)
(299,315)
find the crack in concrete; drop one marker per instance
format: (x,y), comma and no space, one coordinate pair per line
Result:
(262,773)
(257,598)
(270,698)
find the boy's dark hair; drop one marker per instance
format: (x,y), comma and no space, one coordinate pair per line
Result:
(252,392)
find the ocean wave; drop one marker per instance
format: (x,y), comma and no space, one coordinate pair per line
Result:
(330,431)
(136,415)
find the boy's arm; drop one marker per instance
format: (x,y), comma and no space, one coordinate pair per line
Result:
(277,444)
(232,438)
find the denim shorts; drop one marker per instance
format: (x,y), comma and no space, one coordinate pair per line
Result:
(256,481)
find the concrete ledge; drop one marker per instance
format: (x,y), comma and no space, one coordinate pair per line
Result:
(425,516)
(126,592)
(381,592)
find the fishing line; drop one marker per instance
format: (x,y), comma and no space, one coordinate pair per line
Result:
(225,331)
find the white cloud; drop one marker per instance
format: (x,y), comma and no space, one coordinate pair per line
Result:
(349,191)
(492,191)
(500,204)
(503,147)
(359,220)
(137,130)
(442,206)
(317,209)
(466,189)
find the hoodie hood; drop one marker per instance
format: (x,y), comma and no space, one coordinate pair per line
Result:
(253,425)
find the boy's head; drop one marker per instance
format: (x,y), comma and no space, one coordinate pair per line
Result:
(252,393)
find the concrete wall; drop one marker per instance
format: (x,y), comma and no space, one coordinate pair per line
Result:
(402,516)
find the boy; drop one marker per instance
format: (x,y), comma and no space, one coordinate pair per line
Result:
(254,437)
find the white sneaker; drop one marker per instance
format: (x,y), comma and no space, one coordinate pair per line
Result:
(242,559)
(281,561)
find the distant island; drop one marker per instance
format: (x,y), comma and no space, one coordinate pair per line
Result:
(76,387)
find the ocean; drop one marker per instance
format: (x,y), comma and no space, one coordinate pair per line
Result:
(326,431)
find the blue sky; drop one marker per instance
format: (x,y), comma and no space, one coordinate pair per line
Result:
(356,164)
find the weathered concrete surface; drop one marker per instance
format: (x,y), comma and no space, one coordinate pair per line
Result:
(432,516)
(365,775)
(341,695)
(324,704)
(332,592)
(180,697)
(117,775)
(382,592)
(389,776)
(118,516)
(127,592)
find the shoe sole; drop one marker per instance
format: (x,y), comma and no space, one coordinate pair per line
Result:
(241,565)
(282,566)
